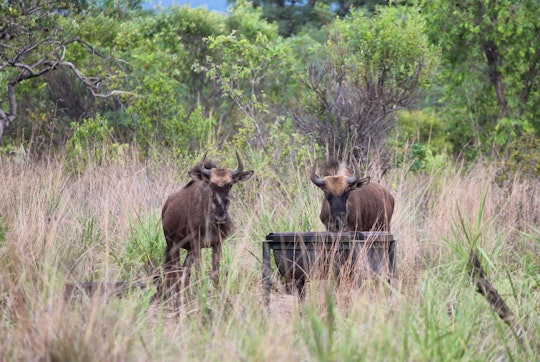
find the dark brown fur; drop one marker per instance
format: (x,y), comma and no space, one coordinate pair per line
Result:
(332,167)
(196,217)
(352,204)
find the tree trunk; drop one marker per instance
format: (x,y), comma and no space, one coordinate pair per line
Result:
(494,61)
(7,118)
(5,121)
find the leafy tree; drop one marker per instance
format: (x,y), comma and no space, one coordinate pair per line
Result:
(180,33)
(491,65)
(92,142)
(242,78)
(372,68)
(419,140)
(116,9)
(172,101)
(173,105)
(293,16)
(37,38)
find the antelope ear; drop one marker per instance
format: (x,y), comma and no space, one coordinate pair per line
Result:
(244,176)
(363,182)
(197,175)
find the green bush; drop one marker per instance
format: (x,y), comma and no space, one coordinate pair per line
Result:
(146,247)
(420,141)
(508,130)
(92,142)
(372,67)
(521,158)
(425,127)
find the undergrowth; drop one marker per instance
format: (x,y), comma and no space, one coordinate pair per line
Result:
(102,224)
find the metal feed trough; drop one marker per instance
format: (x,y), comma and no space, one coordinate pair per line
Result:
(300,256)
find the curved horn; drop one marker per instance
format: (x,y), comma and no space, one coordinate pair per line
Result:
(314,178)
(204,170)
(354,178)
(240,167)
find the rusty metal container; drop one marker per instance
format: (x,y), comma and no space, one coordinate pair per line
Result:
(300,256)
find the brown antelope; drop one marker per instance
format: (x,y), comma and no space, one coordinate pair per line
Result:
(352,203)
(196,217)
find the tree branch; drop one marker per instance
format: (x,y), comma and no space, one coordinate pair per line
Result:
(485,288)
(50,54)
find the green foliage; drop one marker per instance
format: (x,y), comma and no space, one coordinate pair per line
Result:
(297,17)
(198,132)
(432,333)
(156,114)
(244,68)
(508,130)
(372,67)
(519,145)
(307,16)
(249,22)
(319,331)
(92,142)
(489,72)
(155,57)
(425,127)
(521,159)
(420,141)
(356,72)
(392,47)
(412,156)
(48,57)
(146,247)
(175,105)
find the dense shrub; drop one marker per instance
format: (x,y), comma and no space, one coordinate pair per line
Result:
(93,142)
(520,159)
(372,68)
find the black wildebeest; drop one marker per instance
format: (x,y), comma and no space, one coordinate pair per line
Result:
(196,217)
(352,203)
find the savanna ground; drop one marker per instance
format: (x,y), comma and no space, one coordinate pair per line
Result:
(102,223)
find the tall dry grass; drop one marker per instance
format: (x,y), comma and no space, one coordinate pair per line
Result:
(58,226)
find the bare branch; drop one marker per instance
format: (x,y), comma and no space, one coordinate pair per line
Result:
(30,51)
(485,288)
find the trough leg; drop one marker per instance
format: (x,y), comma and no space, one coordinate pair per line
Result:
(392,258)
(300,284)
(267,282)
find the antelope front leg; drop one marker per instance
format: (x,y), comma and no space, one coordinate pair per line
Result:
(216,259)
(197,260)
(186,273)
